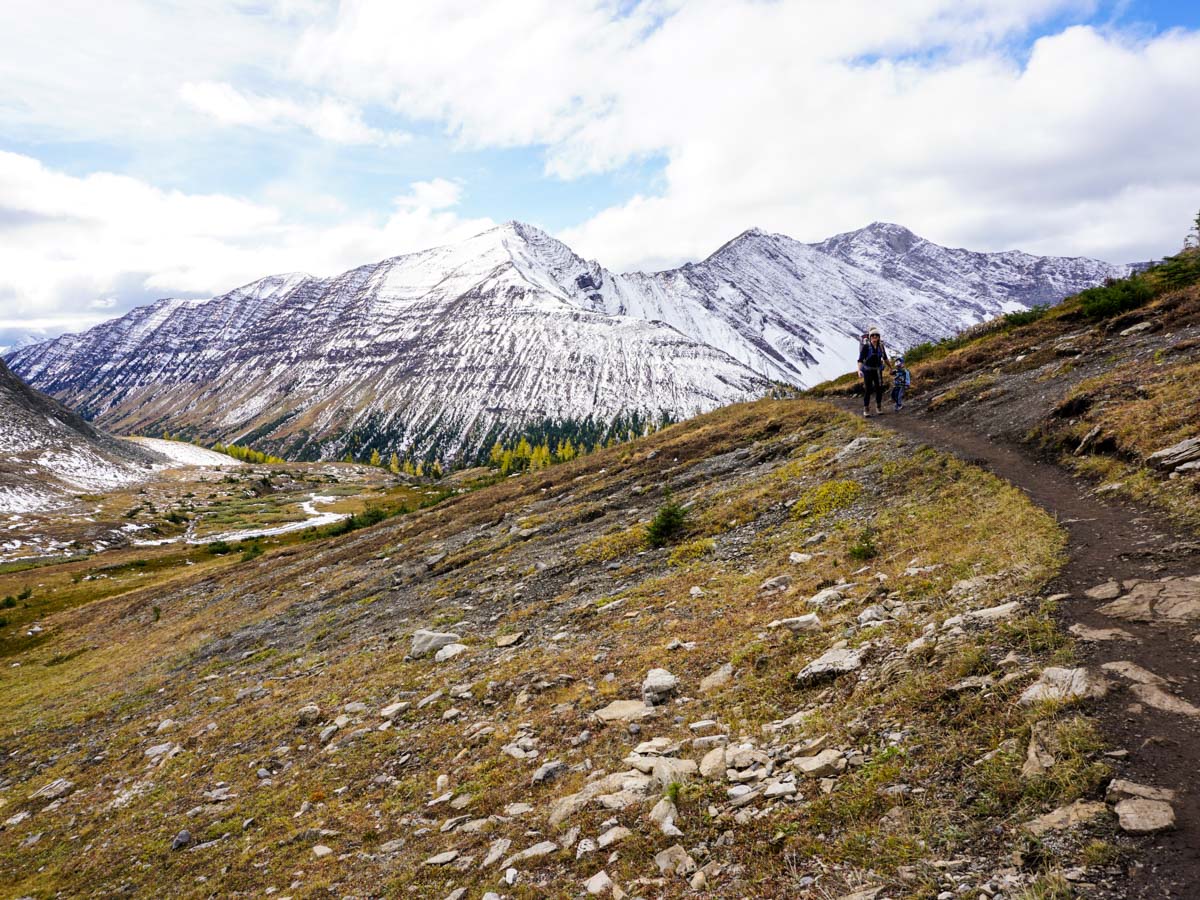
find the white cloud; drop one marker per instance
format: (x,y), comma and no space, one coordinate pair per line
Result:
(77,70)
(801,116)
(436,194)
(326,117)
(71,244)
(805,117)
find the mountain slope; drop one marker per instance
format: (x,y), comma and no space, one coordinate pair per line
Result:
(433,351)
(794,311)
(270,727)
(438,352)
(989,280)
(48,452)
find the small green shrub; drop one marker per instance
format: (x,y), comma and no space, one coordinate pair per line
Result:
(251,551)
(667,523)
(864,547)
(1025,316)
(219,548)
(10,601)
(1115,298)
(25,594)
(672,791)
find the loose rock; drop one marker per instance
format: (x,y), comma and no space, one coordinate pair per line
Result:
(1139,815)
(658,686)
(829,665)
(716,680)
(1064,684)
(426,642)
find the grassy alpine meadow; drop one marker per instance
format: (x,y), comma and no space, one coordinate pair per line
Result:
(266,718)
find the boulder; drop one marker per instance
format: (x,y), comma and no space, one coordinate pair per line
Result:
(614,835)
(1093,635)
(675,861)
(830,665)
(776,585)
(854,448)
(309,715)
(663,814)
(825,597)
(599,885)
(1138,815)
(1153,695)
(496,850)
(1109,590)
(1176,455)
(1078,813)
(1119,789)
(625,711)
(658,686)
(827,762)
(57,788)
(538,850)
(1170,600)
(1064,684)
(713,763)
(548,771)
(993,613)
(669,771)
(717,679)
(449,651)
(425,642)
(799,624)
(394,709)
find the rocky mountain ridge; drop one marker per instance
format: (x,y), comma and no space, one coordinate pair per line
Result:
(440,352)
(48,451)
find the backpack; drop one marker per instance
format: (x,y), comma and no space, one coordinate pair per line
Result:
(874,358)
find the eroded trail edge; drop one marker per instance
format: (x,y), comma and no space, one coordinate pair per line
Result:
(1133,600)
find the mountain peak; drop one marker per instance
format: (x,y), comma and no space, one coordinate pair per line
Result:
(883,236)
(747,236)
(522,230)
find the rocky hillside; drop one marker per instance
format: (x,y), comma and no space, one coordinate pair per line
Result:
(48,452)
(1102,384)
(1084,407)
(440,352)
(766,653)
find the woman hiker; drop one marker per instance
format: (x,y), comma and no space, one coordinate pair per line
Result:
(872,357)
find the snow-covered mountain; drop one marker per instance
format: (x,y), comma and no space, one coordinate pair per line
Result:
(48,452)
(441,349)
(794,311)
(447,348)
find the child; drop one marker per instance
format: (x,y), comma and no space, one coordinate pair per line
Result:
(901,379)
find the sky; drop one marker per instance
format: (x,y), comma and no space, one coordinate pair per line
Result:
(184,147)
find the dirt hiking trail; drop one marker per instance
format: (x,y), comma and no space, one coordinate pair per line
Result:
(1128,605)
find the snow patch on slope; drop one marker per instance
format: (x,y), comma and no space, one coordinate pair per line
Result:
(181,454)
